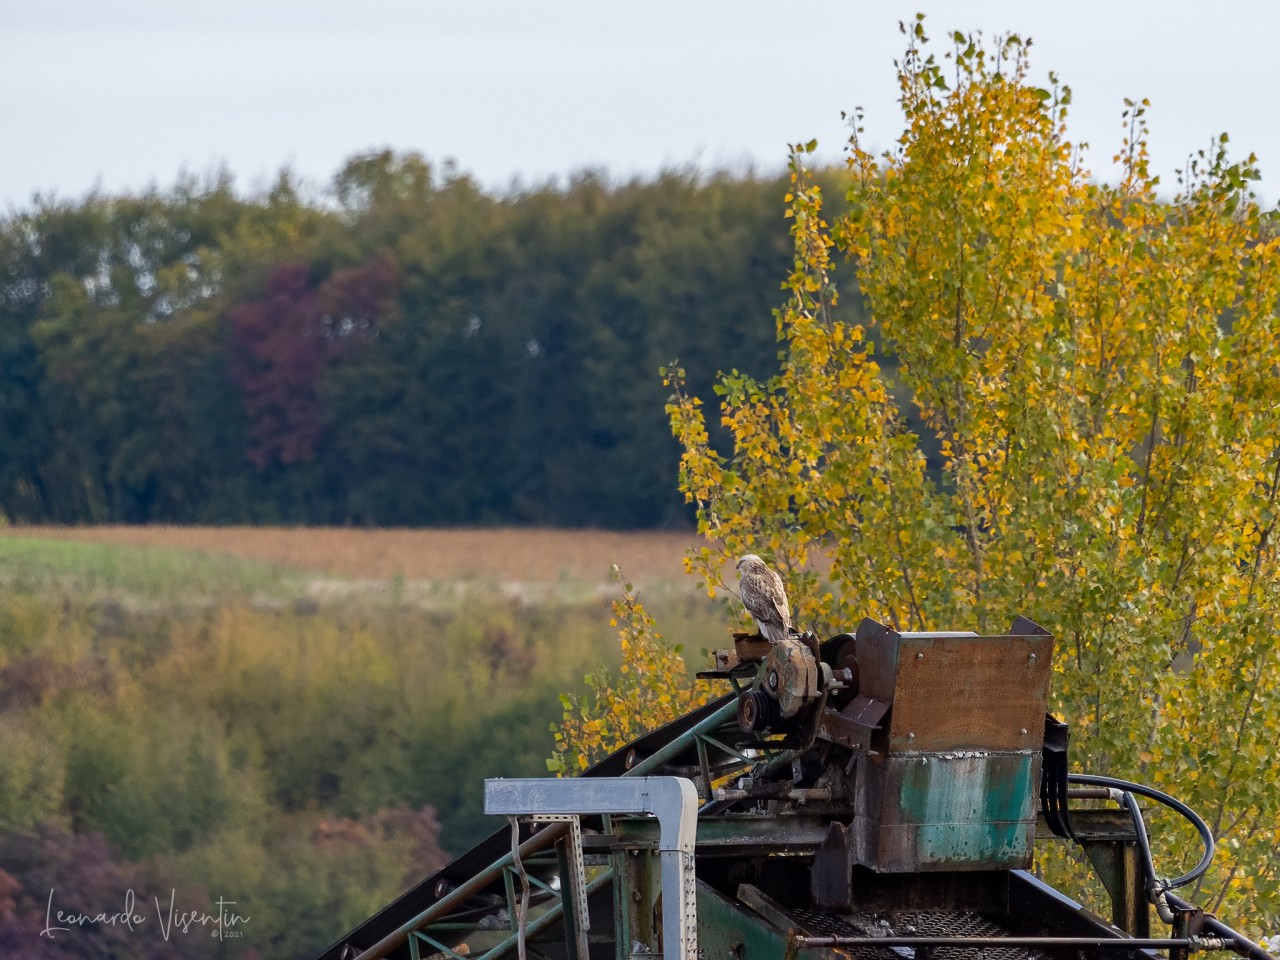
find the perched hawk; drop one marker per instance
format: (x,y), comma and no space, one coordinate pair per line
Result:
(765,598)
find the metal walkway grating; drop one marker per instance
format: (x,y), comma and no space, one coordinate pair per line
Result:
(913,923)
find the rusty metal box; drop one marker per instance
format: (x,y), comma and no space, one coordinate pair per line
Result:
(952,778)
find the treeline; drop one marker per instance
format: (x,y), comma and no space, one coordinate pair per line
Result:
(405,350)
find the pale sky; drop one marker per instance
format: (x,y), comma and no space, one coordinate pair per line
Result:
(121,94)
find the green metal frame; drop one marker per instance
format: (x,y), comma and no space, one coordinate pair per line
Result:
(438,929)
(551,915)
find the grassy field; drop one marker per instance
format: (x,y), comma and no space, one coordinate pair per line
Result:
(428,569)
(302,717)
(531,555)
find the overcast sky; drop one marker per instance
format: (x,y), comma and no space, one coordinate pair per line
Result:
(120,94)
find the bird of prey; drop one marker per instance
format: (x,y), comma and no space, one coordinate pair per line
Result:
(765,598)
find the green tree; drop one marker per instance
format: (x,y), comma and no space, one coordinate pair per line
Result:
(420,351)
(114,404)
(1095,367)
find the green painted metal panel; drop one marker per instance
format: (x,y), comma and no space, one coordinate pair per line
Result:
(729,931)
(963,811)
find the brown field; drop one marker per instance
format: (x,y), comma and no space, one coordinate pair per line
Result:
(529,555)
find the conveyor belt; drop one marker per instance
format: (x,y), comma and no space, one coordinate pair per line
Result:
(676,744)
(471,899)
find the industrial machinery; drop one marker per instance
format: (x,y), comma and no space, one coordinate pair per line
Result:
(875,796)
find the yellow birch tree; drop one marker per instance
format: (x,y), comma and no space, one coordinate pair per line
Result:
(652,687)
(1096,366)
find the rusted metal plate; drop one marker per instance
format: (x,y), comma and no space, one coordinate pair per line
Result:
(750,647)
(866,711)
(876,647)
(747,648)
(854,724)
(970,693)
(831,877)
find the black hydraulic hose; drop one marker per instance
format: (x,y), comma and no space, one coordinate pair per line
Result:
(1202,828)
(1140,828)
(1157,889)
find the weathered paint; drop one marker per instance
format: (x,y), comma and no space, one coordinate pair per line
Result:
(949,779)
(728,931)
(971,809)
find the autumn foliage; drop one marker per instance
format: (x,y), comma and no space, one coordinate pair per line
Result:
(283,344)
(1091,371)
(309,746)
(651,688)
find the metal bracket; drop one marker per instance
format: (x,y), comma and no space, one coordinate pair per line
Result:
(673,800)
(578,879)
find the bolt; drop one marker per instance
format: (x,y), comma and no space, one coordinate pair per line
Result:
(912,736)
(1024,731)
(919,656)
(1031,658)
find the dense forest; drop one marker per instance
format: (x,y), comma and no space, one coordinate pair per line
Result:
(401,349)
